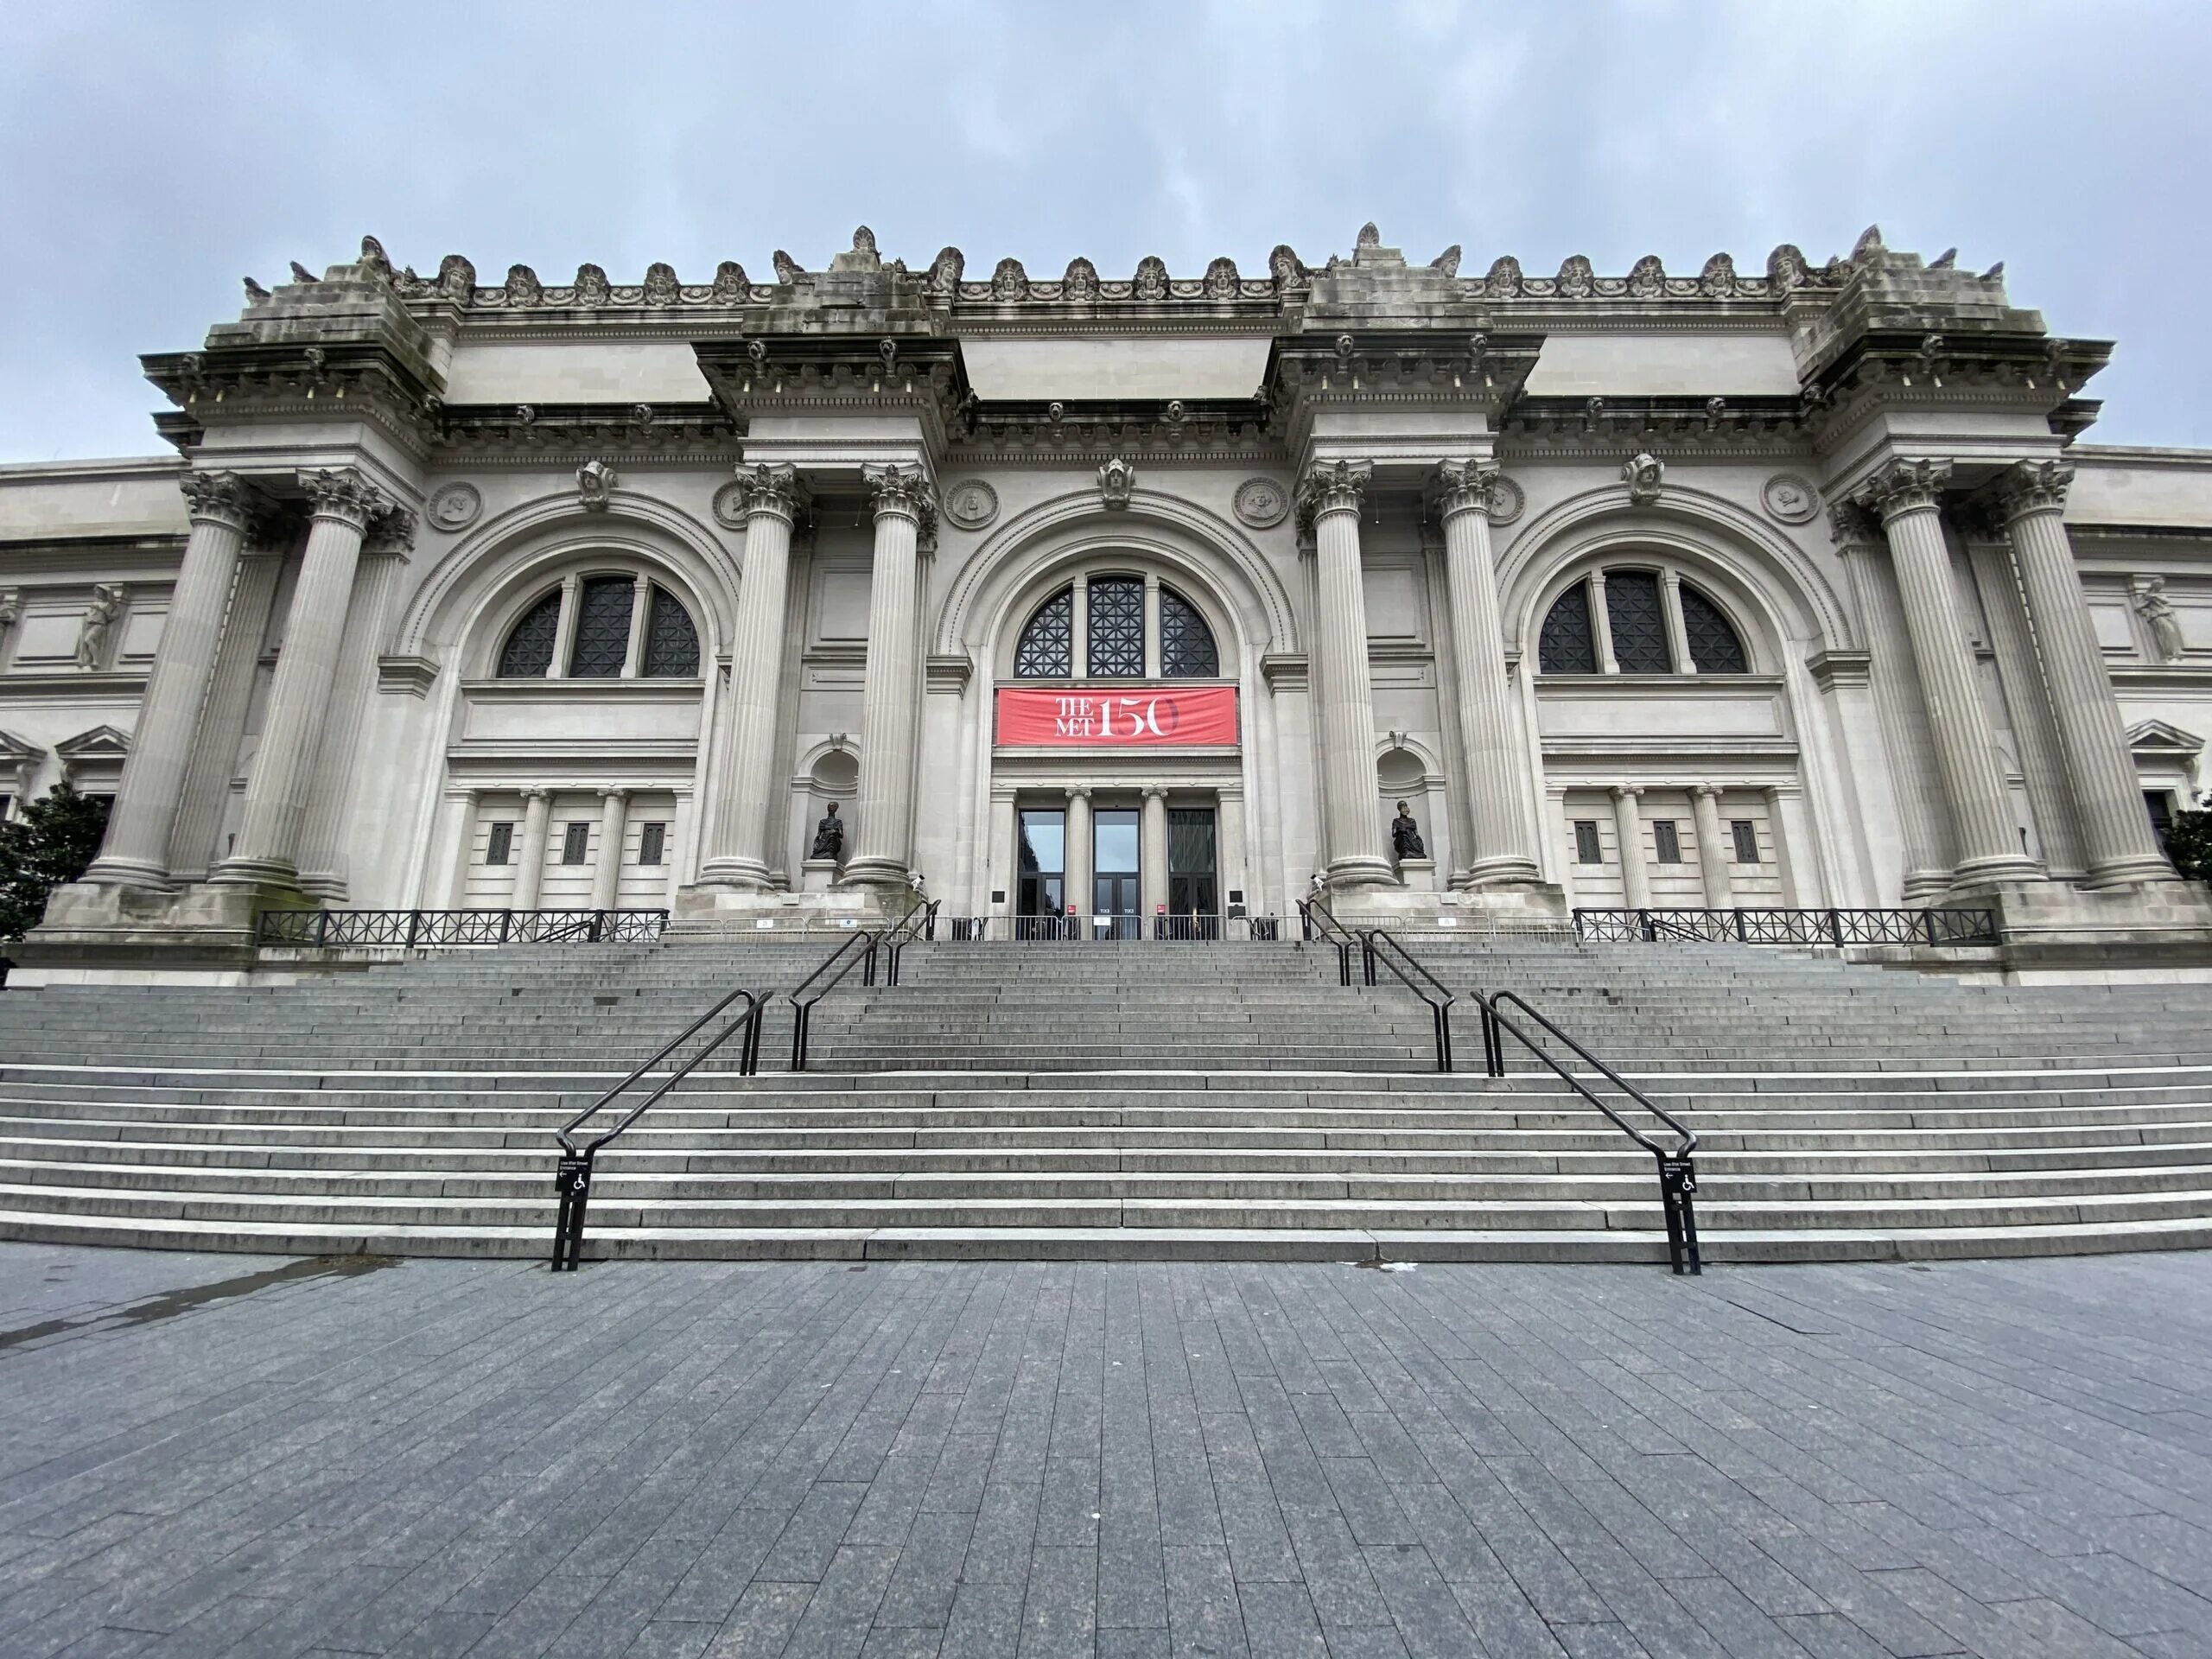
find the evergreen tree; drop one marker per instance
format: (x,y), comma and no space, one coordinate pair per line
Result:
(2189,843)
(50,843)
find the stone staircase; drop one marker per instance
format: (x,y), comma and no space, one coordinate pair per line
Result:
(1123,1100)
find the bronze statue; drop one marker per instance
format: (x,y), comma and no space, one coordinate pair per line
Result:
(1405,836)
(829,836)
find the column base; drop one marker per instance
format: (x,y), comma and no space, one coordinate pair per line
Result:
(1507,870)
(2171,912)
(744,874)
(817,875)
(102,933)
(1417,874)
(1924,886)
(702,910)
(140,872)
(1362,870)
(2006,868)
(875,872)
(2129,872)
(280,874)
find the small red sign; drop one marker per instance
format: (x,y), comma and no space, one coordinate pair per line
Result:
(1190,717)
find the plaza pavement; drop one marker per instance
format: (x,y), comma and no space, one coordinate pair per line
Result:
(204,1455)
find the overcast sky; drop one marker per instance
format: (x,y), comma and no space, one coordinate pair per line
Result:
(150,155)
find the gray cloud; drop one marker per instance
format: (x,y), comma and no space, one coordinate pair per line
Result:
(151,155)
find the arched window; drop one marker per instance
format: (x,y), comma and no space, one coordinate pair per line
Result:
(1650,618)
(1186,647)
(1047,647)
(1637,621)
(1115,643)
(1114,632)
(1567,646)
(617,627)
(1715,647)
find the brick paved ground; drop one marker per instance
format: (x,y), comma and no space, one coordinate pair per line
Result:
(203,1455)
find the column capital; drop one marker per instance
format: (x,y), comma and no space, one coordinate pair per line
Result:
(1852,528)
(535,792)
(1078,792)
(345,495)
(393,533)
(223,498)
(1334,487)
(1155,792)
(902,490)
(622,794)
(1465,487)
(1903,486)
(2033,486)
(1709,792)
(771,490)
(1625,792)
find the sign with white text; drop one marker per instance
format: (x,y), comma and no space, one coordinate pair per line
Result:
(1188,716)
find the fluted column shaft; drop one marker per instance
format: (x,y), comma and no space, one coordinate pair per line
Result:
(1331,496)
(529,862)
(1628,831)
(343,502)
(1923,822)
(137,843)
(2043,763)
(1712,850)
(773,500)
(892,700)
(376,584)
(2116,838)
(207,797)
(1075,855)
(606,873)
(1152,864)
(1908,495)
(1489,757)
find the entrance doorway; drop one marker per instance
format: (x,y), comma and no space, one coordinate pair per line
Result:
(1193,888)
(1040,900)
(1117,900)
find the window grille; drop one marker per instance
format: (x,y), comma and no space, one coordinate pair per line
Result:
(501,846)
(1667,843)
(1747,840)
(575,841)
(1117,642)
(652,841)
(603,628)
(1588,849)
(1186,647)
(528,651)
(1568,644)
(1638,625)
(1715,647)
(1047,647)
(671,639)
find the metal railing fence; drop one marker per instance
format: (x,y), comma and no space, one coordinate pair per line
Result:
(1781,926)
(335,929)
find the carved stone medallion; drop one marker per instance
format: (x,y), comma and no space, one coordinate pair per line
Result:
(1261,502)
(729,506)
(456,506)
(971,504)
(1790,499)
(1506,501)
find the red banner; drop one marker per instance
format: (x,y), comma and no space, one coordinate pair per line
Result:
(1188,716)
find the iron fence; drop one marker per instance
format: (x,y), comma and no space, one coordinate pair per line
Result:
(1833,927)
(418,928)
(1113,930)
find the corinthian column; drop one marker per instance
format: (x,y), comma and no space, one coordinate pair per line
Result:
(1330,495)
(1908,496)
(1712,851)
(773,500)
(885,835)
(1489,759)
(343,502)
(2116,834)
(2027,698)
(137,848)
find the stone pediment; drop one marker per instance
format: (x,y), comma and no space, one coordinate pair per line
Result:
(2156,737)
(101,743)
(15,751)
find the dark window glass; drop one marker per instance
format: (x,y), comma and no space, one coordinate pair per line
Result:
(1747,840)
(528,651)
(603,628)
(653,841)
(1639,627)
(1047,647)
(671,640)
(1044,860)
(1715,647)
(1588,849)
(1667,843)
(1191,886)
(576,839)
(501,846)
(1186,648)
(1567,644)
(1117,642)
(2160,805)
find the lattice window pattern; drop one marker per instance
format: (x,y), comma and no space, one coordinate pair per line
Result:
(603,628)
(1568,644)
(575,839)
(1715,647)
(1117,642)
(1638,624)
(671,639)
(500,845)
(1186,647)
(1588,849)
(1746,834)
(528,651)
(653,841)
(1047,647)
(1665,841)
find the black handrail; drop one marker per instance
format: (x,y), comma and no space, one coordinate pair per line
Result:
(921,923)
(1316,920)
(1677,1168)
(1374,941)
(1773,925)
(870,941)
(573,1179)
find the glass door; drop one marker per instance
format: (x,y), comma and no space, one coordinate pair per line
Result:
(1115,900)
(1039,898)
(1194,892)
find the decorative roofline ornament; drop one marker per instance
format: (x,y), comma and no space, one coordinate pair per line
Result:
(1644,473)
(595,482)
(1118,480)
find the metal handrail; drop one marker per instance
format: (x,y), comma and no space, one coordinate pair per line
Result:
(1373,941)
(1201,927)
(1767,925)
(870,941)
(920,922)
(1316,918)
(1677,1168)
(418,928)
(573,1179)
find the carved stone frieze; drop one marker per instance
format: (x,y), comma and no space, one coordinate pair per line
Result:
(220,495)
(1645,475)
(596,483)
(456,506)
(1904,485)
(2033,486)
(344,492)
(1465,487)
(763,487)
(1334,487)
(971,503)
(1507,501)
(895,487)
(1117,479)
(1262,503)
(1790,499)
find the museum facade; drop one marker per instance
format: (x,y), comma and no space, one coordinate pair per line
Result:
(1117,598)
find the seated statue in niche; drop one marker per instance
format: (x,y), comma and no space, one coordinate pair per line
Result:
(1405,836)
(829,837)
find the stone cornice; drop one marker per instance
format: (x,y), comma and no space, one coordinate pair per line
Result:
(816,374)
(521,434)
(1203,430)
(356,380)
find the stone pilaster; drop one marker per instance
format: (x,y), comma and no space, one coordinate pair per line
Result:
(1490,760)
(1152,861)
(1628,831)
(135,852)
(1229,852)
(606,873)
(904,507)
(529,859)
(2117,841)
(464,848)
(773,499)
(343,502)
(1075,853)
(1713,849)
(1330,496)
(2028,699)
(1908,497)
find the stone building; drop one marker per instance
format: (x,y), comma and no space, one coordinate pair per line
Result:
(1112,596)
